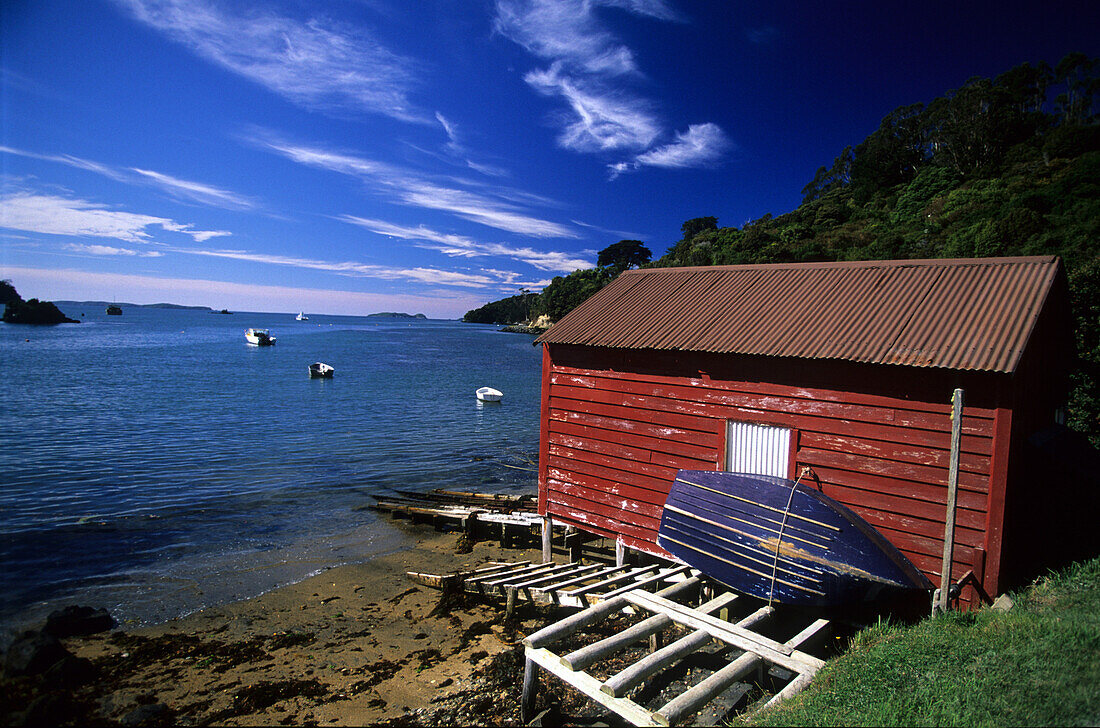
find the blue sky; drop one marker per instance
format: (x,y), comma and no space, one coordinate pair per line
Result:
(354,156)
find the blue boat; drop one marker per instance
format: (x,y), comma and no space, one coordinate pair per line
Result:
(780,541)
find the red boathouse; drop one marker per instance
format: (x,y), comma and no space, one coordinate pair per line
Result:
(846,368)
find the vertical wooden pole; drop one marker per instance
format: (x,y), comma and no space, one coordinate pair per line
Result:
(547,533)
(530,691)
(620,552)
(942,595)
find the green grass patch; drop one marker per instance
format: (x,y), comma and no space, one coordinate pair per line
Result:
(1037,664)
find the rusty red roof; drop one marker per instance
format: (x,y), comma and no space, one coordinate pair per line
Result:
(958,314)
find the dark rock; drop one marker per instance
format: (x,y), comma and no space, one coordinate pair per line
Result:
(33,653)
(149,714)
(76,621)
(47,709)
(69,672)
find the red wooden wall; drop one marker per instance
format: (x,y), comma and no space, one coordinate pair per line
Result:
(617,425)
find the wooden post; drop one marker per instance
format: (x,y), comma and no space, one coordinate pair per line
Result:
(942,596)
(530,691)
(573,539)
(547,534)
(620,552)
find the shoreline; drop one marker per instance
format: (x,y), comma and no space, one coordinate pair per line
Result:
(355,644)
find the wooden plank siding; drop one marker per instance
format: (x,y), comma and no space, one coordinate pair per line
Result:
(615,433)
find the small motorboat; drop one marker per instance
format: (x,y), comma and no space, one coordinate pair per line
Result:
(301,316)
(114,310)
(320,370)
(259,337)
(779,540)
(488,394)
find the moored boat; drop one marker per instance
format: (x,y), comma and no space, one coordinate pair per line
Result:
(320,370)
(301,316)
(488,394)
(259,337)
(114,310)
(779,540)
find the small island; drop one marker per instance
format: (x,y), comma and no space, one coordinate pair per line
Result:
(18,311)
(393,315)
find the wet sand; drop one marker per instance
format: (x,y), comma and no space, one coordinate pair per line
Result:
(354,645)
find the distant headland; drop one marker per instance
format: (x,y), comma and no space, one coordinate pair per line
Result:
(18,311)
(134,305)
(391,314)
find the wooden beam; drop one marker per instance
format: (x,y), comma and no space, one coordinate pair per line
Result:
(590,686)
(745,639)
(699,695)
(623,682)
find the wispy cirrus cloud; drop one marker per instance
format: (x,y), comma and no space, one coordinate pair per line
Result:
(700,145)
(315,63)
(56,215)
(590,69)
(182,189)
(461,246)
(408,187)
(435,276)
(111,250)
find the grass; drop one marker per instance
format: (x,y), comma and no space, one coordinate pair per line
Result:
(1037,664)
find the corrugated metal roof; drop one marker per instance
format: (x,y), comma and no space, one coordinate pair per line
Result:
(957,314)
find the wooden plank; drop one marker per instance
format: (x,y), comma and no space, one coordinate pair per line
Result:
(590,686)
(642,583)
(755,396)
(436,580)
(554,576)
(569,625)
(694,698)
(747,640)
(510,579)
(610,581)
(580,659)
(568,374)
(579,579)
(627,679)
(652,439)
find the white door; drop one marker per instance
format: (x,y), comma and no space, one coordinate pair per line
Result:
(758,449)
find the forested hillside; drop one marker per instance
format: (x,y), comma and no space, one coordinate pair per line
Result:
(1003,166)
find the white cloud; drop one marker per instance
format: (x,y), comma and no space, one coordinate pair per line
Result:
(111,250)
(700,145)
(314,63)
(195,191)
(56,215)
(460,246)
(409,188)
(568,30)
(601,120)
(588,67)
(350,268)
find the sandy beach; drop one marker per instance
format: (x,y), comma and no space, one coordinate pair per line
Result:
(354,645)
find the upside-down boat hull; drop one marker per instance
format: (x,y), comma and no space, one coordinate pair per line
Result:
(770,538)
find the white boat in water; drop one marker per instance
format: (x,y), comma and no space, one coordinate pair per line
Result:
(320,370)
(488,394)
(259,337)
(301,316)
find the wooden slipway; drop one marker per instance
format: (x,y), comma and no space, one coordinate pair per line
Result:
(571,584)
(745,650)
(679,606)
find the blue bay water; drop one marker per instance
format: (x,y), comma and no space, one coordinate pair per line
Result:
(154,463)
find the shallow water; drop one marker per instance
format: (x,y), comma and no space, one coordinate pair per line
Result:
(155,463)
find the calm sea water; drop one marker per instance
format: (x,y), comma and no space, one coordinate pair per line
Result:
(154,463)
